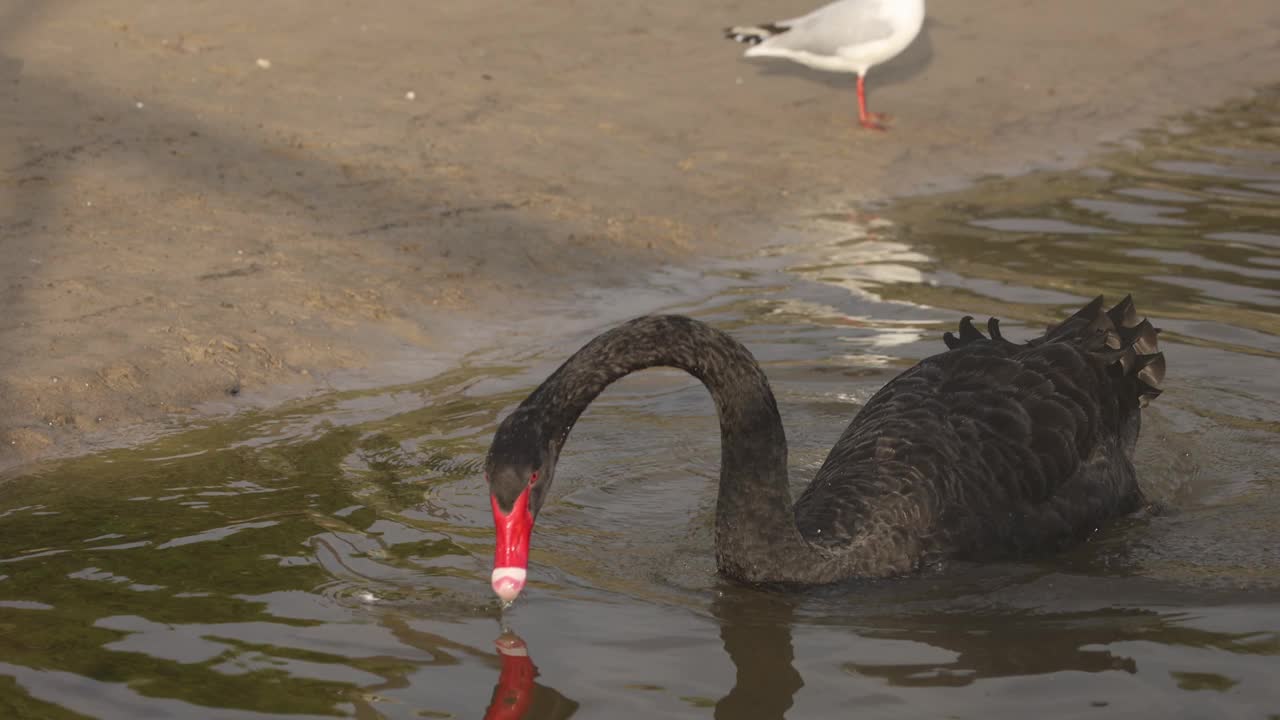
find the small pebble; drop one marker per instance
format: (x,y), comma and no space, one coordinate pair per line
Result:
(264,63)
(139,105)
(410,95)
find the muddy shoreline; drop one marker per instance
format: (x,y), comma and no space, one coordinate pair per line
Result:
(209,208)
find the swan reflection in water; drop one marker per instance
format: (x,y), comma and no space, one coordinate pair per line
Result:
(516,696)
(756,629)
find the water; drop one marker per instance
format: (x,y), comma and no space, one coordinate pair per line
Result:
(331,558)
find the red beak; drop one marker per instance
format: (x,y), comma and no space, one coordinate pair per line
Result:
(511,554)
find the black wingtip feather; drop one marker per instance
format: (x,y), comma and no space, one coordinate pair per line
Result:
(1129,347)
(1138,353)
(1091,310)
(969,333)
(1124,314)
(1145,341)
(1150,369)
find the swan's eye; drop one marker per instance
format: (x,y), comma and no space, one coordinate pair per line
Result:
(533,477)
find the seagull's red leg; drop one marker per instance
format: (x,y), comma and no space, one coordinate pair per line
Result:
(869,120)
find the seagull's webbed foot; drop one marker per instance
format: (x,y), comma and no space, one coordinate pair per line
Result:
(874,121)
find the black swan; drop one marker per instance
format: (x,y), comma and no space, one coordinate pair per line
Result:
(991,448)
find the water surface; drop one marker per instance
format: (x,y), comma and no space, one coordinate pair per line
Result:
(331,558)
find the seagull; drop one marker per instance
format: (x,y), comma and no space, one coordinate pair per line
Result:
(844,36)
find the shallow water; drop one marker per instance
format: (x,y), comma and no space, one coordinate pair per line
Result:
(331,558)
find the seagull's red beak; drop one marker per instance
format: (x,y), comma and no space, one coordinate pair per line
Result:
(511,554)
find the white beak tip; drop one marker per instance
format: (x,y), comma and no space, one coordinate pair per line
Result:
(508,582)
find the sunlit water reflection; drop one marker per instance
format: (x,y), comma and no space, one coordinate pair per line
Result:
(331,558)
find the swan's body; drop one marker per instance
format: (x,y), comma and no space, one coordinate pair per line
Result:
(848,36)
(988,449)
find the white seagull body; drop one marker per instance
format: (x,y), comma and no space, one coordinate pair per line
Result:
(845,36)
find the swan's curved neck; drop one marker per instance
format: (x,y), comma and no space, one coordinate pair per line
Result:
(756,535)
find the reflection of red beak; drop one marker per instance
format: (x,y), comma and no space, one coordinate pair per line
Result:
(511,554)
(513,694)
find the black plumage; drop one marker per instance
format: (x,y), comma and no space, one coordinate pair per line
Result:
(989,449)
(754,34)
